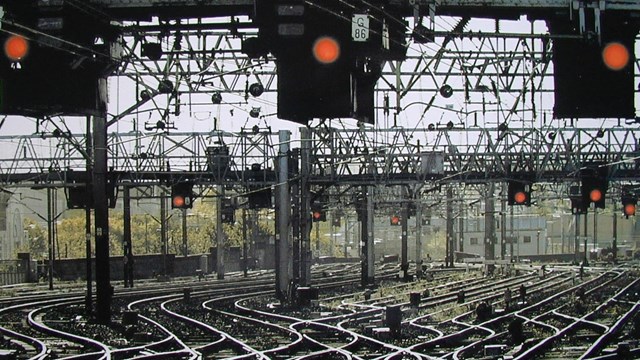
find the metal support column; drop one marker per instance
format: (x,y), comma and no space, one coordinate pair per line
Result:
(254,235)
(369,236)
(295,229)
(185,246)
(88,301)
(576,242)
(418,204)
(346,236)
(489,224)
(512,237)
(448,247)
(503,220)
(50,236)
(100,173)
(219,234)
(126,241)
(163,230)
(614,242)
(283,256)
(595,231)
(586,238)
(461,218)
(366,215)
(245,252)
(305,207)
(332,236)
(404,265)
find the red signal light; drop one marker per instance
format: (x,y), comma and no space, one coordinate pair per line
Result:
(630,209)
(16,47)
(317,215)
(395,220)
(326,50)
(178,201)
(615,56)
(595,195)
(520,197)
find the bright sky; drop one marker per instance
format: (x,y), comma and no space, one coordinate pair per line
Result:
(202,116)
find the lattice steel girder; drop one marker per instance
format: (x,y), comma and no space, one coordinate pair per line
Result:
(397,155)
(173,9)
(482,72)
(141,9)
(143,157)
(346,156)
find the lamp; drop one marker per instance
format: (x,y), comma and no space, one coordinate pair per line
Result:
(256,89)
(216,98)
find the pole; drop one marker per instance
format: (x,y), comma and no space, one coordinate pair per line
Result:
(576,242)
(448,261)
(367,205)
(219,235)
(163,230)
(418,238)
(404,236)
(332,237)
(305,207)
(346,235)
(100,174)
(185,248)
(614,244)
(283,257)
(461,227)
(50,236)
(295,224)
(595,231)
(127,258)
(489,223)
(146,233)
(88,301)
(254,234)
(586,251)
(370,240)
(318,239)
(503,220)
(511,234)
(54,227)
(245,251)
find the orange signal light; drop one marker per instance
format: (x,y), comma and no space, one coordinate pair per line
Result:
(595,195)
(178,201)
(326,50)
(630,209)
(615,56)
(520,197)
(16,47)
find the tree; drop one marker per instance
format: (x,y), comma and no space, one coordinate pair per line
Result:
(37,239)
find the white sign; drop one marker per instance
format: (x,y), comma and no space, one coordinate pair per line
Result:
(360,27)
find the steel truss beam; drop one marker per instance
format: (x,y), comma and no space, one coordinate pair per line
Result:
(342,156)
(398,155)
(494,77)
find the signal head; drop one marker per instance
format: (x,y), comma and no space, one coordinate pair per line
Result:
(520,197)
(630,210)
(595,195)
(326,50)
(16,47)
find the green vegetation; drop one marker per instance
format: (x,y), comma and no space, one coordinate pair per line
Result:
(145,232)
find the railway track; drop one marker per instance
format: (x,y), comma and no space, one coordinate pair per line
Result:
(561,317)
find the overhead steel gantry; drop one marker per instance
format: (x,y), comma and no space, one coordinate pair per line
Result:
(473,100)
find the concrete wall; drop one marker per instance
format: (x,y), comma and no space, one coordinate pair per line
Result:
(145,266)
